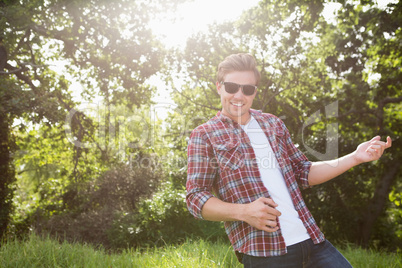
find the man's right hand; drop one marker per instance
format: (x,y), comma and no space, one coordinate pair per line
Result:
(262,214)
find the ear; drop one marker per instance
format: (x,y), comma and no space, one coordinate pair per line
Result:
(218,87)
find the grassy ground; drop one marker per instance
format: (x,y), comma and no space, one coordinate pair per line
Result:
(37,252)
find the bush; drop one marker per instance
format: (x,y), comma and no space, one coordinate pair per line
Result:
(164,219)
(113,193)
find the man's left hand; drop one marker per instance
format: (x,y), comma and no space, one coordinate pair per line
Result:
(371,150)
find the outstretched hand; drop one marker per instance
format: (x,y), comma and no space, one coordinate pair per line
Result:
(371,150)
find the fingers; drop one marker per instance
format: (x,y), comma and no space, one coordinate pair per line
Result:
(264,215)
(272,223)
(376,149)
(376,140)
(266,225)
(271,226)
(389,142)
(270,206)
(272,214)
(268,201)
(376,146)
(383,144)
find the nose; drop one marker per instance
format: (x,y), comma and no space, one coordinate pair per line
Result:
(239,94)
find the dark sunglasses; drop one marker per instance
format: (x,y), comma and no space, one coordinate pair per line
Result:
(232,88)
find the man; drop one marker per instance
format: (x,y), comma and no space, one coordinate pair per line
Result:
(243,169)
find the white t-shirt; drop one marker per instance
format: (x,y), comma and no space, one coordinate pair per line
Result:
(292,228)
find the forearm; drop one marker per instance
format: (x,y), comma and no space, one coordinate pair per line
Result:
(217,210)
(323,171)
(367,151)
(261,213)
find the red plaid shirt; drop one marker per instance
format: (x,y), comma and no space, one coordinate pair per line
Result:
(221,160)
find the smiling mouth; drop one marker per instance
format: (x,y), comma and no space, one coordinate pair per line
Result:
(237,104)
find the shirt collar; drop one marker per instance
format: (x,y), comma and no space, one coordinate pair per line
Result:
(226,119)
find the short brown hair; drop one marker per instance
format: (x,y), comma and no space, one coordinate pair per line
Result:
(238,62)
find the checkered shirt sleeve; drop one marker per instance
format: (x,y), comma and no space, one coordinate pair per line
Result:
(201,172)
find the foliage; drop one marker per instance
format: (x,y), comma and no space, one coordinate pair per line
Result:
(88,216)
(107,48)
(366,40)
(162,219)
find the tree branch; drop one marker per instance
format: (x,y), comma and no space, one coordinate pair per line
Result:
(387,100)
(18,73)
(199,104)
(15,70)
(21,43)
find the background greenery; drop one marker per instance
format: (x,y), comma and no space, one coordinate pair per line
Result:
(112,174)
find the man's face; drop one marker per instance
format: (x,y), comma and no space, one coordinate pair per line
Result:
(236,106)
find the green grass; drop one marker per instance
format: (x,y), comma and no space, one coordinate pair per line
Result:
(361,258)
(38,252)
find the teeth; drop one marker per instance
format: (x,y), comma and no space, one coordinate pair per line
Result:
(237,104)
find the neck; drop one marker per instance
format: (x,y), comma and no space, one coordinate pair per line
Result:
(241,120)
(244,121)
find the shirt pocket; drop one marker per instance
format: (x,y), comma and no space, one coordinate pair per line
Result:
(228,155)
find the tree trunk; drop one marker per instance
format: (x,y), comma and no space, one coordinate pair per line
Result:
(7,174)
(377,203)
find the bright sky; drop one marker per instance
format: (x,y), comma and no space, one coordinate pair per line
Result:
(195,16)
(190,18)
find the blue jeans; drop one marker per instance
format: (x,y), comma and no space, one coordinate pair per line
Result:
(302,255)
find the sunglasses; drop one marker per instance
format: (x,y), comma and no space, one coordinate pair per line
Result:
(232,88)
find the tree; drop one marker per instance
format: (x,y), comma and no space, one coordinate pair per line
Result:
(106,46)
(367,45)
